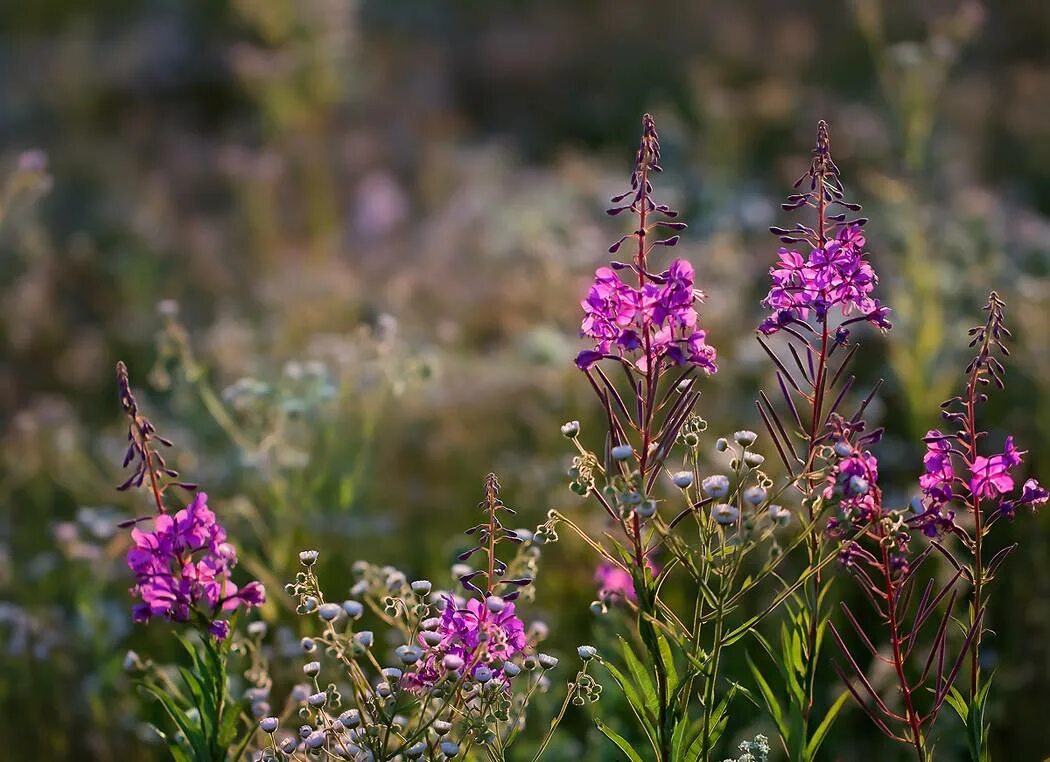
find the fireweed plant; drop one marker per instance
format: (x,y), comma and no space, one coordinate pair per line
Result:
(816,298)
(454,672)
(182,564)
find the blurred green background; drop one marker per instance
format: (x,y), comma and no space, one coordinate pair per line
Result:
(341,246)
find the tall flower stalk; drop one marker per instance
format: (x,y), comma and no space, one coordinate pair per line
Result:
(814,300)
(648,331)
(958,472)
(876,551)
(182,566)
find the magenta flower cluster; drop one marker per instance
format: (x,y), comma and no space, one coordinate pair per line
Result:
(853,481)
(182,569)
(989,477)
(470,637)
(656,324)
(835,275)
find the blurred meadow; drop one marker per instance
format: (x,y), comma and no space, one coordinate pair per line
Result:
(341,245)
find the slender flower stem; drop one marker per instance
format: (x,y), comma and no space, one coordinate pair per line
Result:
(914,721)
(978,561)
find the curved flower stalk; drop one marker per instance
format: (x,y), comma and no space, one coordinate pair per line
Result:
(458,686)
(876,551)
(821,287)
(961,475)
(182,568)
(647,333)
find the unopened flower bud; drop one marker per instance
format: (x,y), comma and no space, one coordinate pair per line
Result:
(646,510)
(745,438)
(268,724)
(538,631)
(132,662)
(482,674)
(308,645)
(721,444)
(449,748)
(451,661)
(754,495)
(494,604)
(364,638)
(779,515)
(587,652)
(753,459)
(408,654)
(716,486)
(570,429)
(621,452)
(416,750)
(311,668)
(317,699)
(547,661)
(725,514)
(510,669)
(441,727)
(858,485)
(350,719)
(682,479)
(329,611)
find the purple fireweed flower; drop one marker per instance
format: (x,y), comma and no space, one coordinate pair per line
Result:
(936,482)
(474,636)
(836,275)
(935,521)
(182,569)
(1032,493)
(656,325)
(991,476)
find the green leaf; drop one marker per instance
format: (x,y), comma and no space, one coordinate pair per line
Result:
(825,725)
(958,703)
(634,698)
(776,712)
(190,731)
(177,752)
(642,679)
(619,740)
(668,661)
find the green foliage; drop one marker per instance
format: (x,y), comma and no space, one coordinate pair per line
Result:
(207,724)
